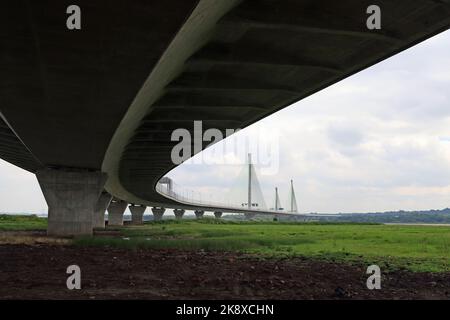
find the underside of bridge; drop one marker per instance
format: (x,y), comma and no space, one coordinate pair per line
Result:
(106,98)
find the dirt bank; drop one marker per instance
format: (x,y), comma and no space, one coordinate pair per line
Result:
(38,271)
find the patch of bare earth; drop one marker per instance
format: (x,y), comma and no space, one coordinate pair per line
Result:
(29,238)
(37,270)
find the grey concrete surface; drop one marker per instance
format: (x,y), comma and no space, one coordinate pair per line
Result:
(249,215)
(71,197)
(116,210)
(137,214)
(179,213)
(199,214)
(69,90)
(103,202)
(158,213)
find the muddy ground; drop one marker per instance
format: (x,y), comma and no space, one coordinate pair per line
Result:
(38,271)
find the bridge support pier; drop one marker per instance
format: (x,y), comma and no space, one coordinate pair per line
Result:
(158,213)
(218,214)
(103,202)
(137,214)
(116,210)
(178,213)
(71,196)
(249,215)
(199,214)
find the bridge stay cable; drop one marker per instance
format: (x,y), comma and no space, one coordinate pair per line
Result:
(245,193)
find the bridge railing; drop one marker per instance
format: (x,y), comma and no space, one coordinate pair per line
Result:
(187,196)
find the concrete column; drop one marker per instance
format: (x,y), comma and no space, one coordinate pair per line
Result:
(158,213)
(218,214)
(199,214)
(103,202)
(71,196)
(178,213)
(249,215)
(115,212)
(137,214)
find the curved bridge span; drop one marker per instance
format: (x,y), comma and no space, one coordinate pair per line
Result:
(91,111)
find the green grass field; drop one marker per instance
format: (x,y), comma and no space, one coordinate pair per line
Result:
(25,222)
(416,248)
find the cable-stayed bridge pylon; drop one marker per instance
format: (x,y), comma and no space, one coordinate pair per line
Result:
(245,194)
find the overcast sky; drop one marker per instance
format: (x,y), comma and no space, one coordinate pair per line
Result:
(379,140)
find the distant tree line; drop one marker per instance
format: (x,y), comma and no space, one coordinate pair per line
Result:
(429,216)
